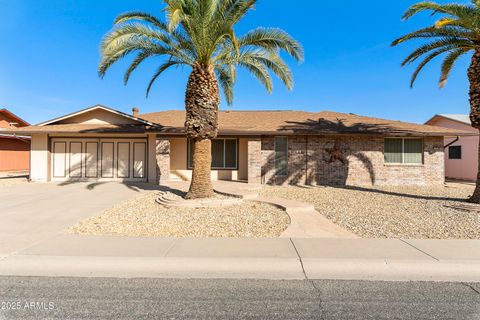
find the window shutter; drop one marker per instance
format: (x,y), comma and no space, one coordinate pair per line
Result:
(281,156)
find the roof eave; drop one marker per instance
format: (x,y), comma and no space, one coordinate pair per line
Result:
(99,106)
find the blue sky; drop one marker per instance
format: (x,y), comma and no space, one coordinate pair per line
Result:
(49,58)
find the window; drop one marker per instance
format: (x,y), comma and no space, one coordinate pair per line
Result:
(224,154)
(455,152)
(400,150)
(281,156)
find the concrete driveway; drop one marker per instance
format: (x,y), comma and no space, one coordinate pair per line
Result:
(33,212)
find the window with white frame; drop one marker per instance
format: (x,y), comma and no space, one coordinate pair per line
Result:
(224,154)
(403,150)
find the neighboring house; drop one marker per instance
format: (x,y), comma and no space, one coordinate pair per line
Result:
(14,149)
(103,144)
(461,155)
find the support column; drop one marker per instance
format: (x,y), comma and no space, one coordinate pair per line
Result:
(39,158)
(163,160)
(255,160)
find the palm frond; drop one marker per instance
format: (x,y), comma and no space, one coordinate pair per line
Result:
(140,16)
(259,71)
(422,64)
(457,10)
(448,43)
(448,64)
(273,39)
(201,32)
(159,71)
(136,62)
(227,80)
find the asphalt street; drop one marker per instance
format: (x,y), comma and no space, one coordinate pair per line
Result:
(107,298)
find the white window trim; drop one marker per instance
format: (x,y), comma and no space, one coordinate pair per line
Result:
(275,156)
(403,151)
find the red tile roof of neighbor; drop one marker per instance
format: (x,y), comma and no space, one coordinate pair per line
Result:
(9,114)
(299,122)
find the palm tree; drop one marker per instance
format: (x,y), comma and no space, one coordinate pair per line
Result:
(454,35)
(200,34)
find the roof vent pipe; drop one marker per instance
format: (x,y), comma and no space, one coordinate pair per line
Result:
(135,112)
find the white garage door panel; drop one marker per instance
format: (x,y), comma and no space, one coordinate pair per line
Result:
(139,159)
(76,159)
(102,159)
(123,161)
(91,159)
(107,159)
(59,159)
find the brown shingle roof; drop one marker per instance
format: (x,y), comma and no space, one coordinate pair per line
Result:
(259,123)
(300,122)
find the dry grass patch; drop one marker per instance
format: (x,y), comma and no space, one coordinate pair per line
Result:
(392,212)
(142,216)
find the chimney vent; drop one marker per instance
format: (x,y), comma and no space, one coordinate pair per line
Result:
(135,112)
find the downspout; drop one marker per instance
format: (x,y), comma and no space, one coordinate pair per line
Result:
(448,145)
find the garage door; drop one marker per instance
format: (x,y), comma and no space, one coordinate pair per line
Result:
(99,159)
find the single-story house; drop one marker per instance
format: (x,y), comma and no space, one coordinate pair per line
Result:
(461,157)
(103,144)
(14,149)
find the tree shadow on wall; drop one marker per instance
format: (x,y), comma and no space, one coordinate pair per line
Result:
(329,158)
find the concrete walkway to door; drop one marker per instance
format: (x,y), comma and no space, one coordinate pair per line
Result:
(33,212)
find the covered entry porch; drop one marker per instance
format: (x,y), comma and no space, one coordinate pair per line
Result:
(233,159)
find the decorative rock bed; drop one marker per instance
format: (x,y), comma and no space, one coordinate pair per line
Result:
(144,216)
(170,200)
(393,212)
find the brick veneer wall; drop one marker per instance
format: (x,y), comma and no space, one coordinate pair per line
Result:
(163,160)
(254,147)
(349,160)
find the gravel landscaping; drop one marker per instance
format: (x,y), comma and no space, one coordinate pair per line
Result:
(142,216)
(392,212)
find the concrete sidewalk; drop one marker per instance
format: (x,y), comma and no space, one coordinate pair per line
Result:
(279,258)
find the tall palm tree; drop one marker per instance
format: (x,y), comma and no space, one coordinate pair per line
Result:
(454,35)
(200,34)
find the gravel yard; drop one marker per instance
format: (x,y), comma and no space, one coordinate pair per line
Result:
(142,216)
(392,212)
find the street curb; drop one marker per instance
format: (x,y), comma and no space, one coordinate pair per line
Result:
(241,268)
(392,270)
(152,267)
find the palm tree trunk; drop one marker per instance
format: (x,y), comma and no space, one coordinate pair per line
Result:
(474,78)
(201,125)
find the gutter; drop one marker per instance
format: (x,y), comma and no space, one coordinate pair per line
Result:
(448,145)
(21,138)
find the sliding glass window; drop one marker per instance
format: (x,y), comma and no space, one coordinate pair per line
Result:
(224,154)
(404,150)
